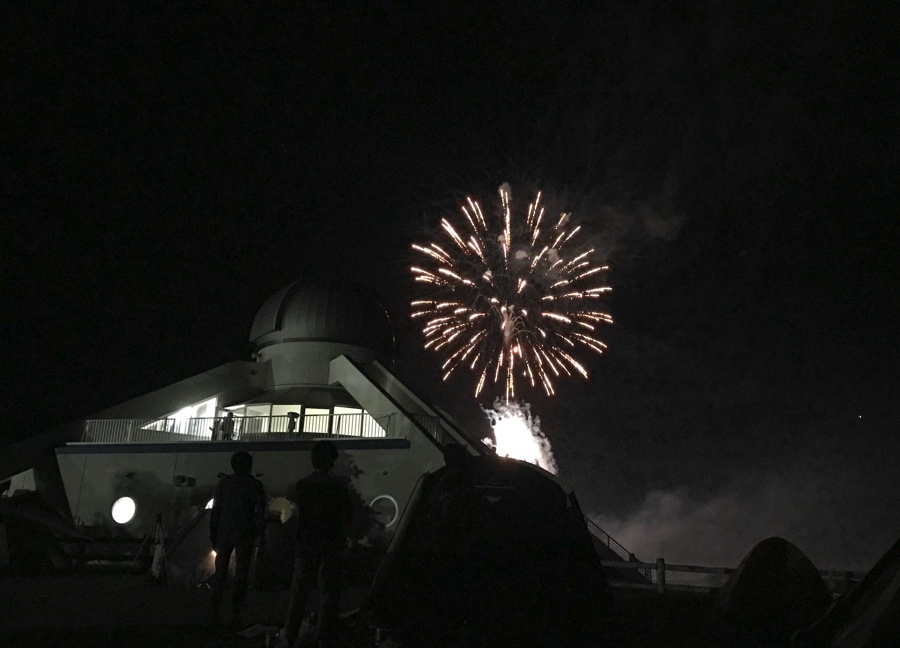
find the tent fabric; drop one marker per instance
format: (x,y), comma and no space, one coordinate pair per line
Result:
(190,560)
(868,616)
(31,548)
(774,591)
(492,547)
(31,505)
(32,531)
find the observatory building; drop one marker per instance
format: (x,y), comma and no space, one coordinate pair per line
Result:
(319,369)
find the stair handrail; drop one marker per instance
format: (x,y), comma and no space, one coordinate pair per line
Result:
(608,540)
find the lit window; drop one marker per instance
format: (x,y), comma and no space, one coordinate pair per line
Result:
(347,420)
(194,420)
(123,510)
(316,420)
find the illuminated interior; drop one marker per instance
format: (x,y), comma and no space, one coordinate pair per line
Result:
(253,419)
(263,418)
(195,420)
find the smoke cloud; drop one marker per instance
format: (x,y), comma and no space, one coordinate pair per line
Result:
(720,529)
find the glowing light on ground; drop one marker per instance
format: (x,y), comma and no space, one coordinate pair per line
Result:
(517,434)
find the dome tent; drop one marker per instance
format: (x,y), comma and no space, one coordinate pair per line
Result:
(189,560)
(496,547)
(774,591)
(868,616)
(32,533)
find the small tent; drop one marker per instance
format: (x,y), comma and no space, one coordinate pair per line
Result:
(30,533)
(868,616)
(191,560)
(774,591)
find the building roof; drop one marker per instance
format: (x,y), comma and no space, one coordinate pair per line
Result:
(324,311)
(318,396)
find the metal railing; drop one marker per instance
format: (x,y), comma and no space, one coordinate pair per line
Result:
(238,428)
(608,540)
(432,426)
(659,580)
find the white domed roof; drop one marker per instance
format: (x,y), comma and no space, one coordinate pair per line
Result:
(324,311)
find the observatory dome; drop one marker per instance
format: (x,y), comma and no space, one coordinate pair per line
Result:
(325,312)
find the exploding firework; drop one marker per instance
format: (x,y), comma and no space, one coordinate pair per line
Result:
(514,297)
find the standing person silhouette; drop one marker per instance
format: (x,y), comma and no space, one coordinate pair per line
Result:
(228,427)
(324,510)
(236,520)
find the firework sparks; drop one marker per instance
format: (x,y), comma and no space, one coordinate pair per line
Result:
(512,299)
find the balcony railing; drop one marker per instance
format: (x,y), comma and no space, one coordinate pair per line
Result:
(240,428)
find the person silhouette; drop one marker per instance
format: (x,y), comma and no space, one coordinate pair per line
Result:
(236,520)
(324,509)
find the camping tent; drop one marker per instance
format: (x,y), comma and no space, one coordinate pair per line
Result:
(492,548)
(774,591)
(191,561)
(868,616)
(31,532)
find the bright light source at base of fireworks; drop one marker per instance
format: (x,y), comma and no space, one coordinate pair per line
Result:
(518,435)
(512,297)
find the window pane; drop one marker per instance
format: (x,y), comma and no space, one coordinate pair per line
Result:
(256,419)
(347,420)
(282,410)
(285,418)
(315,420)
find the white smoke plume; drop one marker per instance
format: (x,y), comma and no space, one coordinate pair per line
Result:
(517,434)
(720,529)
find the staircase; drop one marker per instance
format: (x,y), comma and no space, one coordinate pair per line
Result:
(608,548)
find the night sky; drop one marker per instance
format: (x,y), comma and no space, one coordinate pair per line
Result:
(165,171)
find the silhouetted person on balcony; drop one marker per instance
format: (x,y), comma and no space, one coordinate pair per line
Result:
(228,427)
(236,520)
(292,423)
(324,510)
(216,429)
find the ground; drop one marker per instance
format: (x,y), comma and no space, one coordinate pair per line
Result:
(122,610)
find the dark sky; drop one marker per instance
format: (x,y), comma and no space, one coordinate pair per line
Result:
(165,171)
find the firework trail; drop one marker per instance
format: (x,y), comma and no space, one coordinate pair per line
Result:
(514,297)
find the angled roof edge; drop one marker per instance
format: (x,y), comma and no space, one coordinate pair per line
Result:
(34,451)
(231,382)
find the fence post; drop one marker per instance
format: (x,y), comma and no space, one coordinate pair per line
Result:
(661,575)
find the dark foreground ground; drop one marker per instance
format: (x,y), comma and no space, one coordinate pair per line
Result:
(103,609)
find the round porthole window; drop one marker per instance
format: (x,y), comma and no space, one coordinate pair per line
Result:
(384,510)
(123,510)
